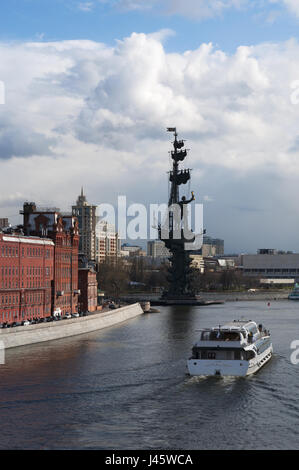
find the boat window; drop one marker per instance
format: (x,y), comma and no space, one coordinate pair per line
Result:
(250,355)
(211,355)
(195,353)
(216,335)
(237,354)
(223,336)
(263,346)
(234,336)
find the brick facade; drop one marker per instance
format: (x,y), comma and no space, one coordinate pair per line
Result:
(26,276)
(88,286)
(64,231)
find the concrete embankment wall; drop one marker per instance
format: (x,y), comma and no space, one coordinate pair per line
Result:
(225,296)
(23,335)
(236,296)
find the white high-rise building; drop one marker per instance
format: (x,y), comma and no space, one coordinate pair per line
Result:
(157,249)
(107,243)
(87,218)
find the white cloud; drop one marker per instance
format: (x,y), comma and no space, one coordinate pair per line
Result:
(79,112)
(203,8)
(200,9)
(292,5)
(191,8)
(136,4)
(86,6)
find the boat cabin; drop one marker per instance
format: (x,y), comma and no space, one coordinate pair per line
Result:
(242,331)
(231,354)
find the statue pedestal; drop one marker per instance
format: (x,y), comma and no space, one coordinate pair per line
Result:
(181,300)
(196,300)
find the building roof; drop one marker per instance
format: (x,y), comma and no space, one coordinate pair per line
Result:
(23,239)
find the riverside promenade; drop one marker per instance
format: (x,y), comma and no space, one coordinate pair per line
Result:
(215,296)
(24,335)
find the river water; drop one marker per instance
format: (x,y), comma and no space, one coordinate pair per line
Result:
(126,387)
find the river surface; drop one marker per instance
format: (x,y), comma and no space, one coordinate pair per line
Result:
(126,387)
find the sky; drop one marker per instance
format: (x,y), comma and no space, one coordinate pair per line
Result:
(91,86)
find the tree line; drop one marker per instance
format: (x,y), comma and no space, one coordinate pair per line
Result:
(120,276)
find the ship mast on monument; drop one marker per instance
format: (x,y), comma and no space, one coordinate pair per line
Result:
(175,228)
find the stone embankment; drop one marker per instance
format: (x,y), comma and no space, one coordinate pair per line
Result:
(24,335)
(216,296)
(237,296)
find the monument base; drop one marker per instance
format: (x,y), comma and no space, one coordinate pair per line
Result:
(185,300)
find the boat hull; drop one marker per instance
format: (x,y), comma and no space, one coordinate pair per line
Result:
(235,368)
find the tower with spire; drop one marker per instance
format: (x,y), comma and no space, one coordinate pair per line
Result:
(87,218)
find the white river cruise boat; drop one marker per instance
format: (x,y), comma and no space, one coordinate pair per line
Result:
(238,348)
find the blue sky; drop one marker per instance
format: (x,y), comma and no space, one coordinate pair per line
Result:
(107,21)
(91,86)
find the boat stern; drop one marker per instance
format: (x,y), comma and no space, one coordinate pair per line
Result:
(218,368)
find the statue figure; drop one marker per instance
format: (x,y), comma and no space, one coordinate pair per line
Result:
(183,201)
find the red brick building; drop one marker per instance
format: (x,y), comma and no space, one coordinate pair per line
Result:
(26,277)
(88,286)
(64,232)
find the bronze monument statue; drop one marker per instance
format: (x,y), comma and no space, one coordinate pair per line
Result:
(173,232)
